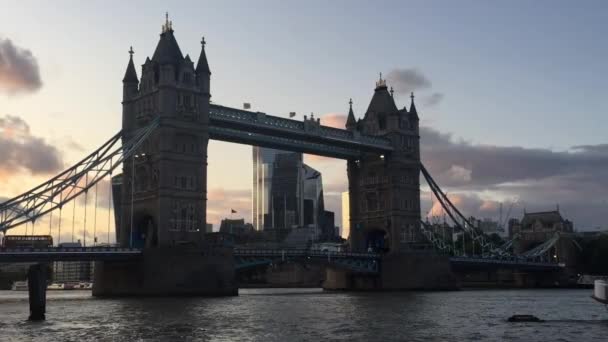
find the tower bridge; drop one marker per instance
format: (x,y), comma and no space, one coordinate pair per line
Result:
(167,122)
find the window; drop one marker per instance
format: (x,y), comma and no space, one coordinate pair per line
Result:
(372,201)
(408,233)
(381,121)
(186,78)
(173,222)
(191,221)
(403,234)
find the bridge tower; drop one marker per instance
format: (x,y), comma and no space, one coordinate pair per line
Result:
(384,190)
(164,185)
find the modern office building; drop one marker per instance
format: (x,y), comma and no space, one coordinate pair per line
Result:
(345,216)
(286,193)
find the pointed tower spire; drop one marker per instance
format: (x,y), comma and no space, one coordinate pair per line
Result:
(203,66)
(130,74)
(350,121)
(413,111)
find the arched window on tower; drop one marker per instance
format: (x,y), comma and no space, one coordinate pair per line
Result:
(381,121)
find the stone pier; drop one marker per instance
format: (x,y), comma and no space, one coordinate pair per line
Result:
(403,271)
(168,272)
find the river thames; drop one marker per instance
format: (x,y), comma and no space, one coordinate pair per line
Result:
(311,315)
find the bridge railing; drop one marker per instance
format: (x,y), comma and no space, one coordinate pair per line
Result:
(302,253)
(508,261)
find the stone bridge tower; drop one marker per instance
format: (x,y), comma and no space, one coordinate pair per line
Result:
(384,190)
(164,187)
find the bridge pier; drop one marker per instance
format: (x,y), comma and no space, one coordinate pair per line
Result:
(398,271)
(37,276)
(171,271)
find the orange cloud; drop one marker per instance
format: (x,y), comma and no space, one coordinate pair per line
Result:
(220,201)
(335,120)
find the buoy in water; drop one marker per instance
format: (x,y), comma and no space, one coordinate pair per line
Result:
(524,318)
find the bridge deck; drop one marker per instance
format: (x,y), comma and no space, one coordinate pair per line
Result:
(309,136)
(68,254)
(355,260)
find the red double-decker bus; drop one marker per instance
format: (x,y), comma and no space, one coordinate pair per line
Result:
(27,241)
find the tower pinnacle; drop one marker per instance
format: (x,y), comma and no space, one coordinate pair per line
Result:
(130,74)
(380,83)
(168,25)
(350,120)
(202,66)
(413,110)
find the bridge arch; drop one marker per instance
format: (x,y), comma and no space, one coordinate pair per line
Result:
(145,232)
(377,240)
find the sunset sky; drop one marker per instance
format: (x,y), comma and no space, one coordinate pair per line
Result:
(512,95)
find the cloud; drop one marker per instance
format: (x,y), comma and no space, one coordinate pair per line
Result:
(541,178)
(336,120)
(19,71)
(405,81)
(433,99)
(22,151)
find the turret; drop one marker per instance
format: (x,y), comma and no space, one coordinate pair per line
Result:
(203,74)
(413,111)
(130,82)
(351,123)
(381,117)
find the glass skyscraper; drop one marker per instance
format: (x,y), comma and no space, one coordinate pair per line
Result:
(286,193)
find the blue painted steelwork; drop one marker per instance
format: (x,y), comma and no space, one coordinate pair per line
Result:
(247,258)
(309,136)
(513,262)
(355,262)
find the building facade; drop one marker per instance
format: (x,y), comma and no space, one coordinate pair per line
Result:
(538,227)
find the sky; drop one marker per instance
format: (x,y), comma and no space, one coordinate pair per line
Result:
(511,94)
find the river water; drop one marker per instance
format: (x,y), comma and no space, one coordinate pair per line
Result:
(311,315)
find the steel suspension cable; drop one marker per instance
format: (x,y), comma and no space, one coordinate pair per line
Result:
(95,219)
(132,199)
(110,202)
(51,224)
(59,233)
(73,218)
(86,194)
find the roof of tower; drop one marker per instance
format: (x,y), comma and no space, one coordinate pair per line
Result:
(167,50)
(382,101)
(350,121)
(413,111)
(202,65)
(130,74)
